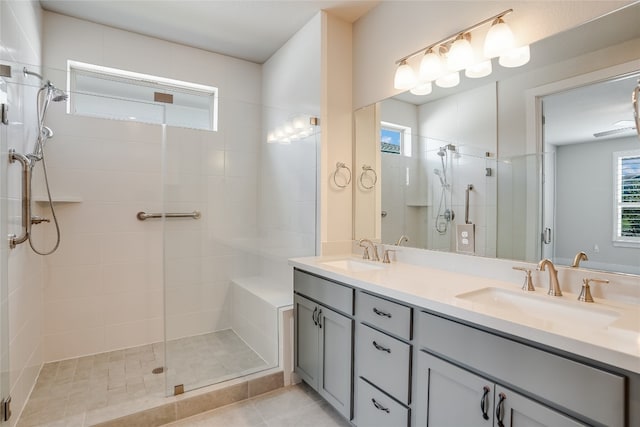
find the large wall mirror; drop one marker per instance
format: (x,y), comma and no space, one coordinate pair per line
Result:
(473,170)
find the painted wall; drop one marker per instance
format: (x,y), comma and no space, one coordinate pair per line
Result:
(336,204)
(20,46)
(103,287)
(288,172)
(584,201)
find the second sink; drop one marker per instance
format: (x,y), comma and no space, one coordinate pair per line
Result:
(552,313)
(352,265)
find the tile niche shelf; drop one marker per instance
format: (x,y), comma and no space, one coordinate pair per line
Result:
(57,199)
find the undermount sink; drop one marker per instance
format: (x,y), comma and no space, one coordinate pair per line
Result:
(549,311)
(352,265)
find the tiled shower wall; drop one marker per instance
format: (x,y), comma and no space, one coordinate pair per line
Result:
(21,29)
(103,288)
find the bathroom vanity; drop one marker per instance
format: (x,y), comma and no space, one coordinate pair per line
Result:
(403,345)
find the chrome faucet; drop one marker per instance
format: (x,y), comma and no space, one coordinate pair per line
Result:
(554,286)
(580,256)
(374,249)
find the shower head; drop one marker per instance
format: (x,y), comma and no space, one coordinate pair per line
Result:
(56,94)
(441,152)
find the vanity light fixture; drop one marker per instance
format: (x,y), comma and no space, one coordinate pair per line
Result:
(444,59)
(499,39)
(405,77)
(460,54)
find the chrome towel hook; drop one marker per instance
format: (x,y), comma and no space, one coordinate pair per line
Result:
(339,166)
(368,170)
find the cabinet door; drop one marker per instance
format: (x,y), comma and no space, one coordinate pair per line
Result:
(451,396)
(513,409)
(306,344)
(336,344)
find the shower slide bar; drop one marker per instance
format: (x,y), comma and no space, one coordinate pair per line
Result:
(26,198)
(144,215)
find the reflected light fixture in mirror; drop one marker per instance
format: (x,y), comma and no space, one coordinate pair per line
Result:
(515,57)
(422,89)
(479,70)
(460,55)
(449,80)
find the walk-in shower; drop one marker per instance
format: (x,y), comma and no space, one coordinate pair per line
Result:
(137,310)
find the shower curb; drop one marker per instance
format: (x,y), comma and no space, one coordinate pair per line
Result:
(188,405)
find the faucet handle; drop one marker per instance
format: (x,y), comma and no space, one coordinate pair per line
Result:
(585,293)
(527,286)
(385,257)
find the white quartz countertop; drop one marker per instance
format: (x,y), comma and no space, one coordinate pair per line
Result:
(615,341)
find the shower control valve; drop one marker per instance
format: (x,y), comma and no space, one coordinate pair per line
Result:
(39,219)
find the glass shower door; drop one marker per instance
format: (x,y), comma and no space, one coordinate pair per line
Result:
(226,276)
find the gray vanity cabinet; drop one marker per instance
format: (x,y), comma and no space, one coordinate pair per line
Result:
(323,344)
(554,390)
(457,397)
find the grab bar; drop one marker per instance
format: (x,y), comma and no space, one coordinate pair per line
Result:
(144,215)
(466,203)
(26,198)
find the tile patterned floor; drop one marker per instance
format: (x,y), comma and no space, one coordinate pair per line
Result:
(294,406)
(67,390)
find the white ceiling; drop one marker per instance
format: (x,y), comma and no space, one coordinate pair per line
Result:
(247,29)
(578,115)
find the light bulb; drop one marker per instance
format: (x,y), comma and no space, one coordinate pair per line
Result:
(298,123)
(460,54)
(422,89)
(430,66)
(449,80)
(481,69)
(405,78)
(499,39)
(515,57)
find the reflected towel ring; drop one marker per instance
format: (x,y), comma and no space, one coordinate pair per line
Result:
(365,170)
(339,166)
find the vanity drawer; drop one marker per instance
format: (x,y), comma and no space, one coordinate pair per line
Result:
(384,314)
(384,361)
(582,389)
(331,294)
(376,409)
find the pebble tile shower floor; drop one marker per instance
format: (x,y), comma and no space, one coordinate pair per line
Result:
(67,391)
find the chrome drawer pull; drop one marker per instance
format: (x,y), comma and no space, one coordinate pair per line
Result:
(379,406)
(381,313)
(381,348)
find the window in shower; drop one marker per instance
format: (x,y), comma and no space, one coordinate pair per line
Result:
(109,93)
(395,139)
(627,190)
